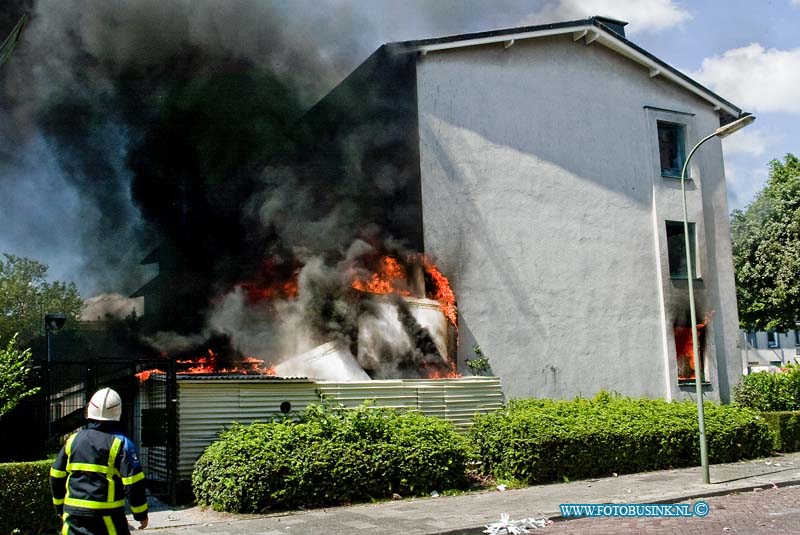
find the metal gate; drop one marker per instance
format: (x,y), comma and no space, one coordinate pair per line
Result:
(150,421)
(155,425)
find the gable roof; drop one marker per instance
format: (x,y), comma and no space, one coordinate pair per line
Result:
(602,30)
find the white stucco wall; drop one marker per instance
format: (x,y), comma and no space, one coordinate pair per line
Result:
(543,201)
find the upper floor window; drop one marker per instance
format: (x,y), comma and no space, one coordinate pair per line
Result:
(676,250)
(772,339)
(671,148)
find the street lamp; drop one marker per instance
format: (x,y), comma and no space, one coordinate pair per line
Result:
(52,322)
(722,131)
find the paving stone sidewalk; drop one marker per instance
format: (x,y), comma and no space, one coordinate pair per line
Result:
(469,513)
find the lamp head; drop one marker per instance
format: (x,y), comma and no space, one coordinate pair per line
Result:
(735,126)
(53,322)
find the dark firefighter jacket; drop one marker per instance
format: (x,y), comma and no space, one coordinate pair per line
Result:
(93,471)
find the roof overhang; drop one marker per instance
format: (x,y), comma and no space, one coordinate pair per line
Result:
(590,31)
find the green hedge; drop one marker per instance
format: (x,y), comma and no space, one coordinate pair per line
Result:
(543,440)
(784,427)
(769,391)
(330,456)
(25,500)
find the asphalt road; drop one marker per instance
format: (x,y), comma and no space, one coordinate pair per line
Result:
(767,511)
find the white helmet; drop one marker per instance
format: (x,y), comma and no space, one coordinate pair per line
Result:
(105,405)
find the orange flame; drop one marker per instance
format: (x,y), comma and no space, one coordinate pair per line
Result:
(257,293)
(390,278)
(444,374)
(684,348)
(209,364)
(145,375)
(274,280)
(443,292)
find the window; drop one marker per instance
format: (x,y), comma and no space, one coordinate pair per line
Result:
(684,351)
(671,148)
(752,339)
(676,249)
(773,340)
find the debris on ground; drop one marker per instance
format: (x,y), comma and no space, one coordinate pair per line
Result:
(506,526)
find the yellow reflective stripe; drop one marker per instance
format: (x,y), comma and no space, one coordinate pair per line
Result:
(56,501)
(68,450)
(65,527)
(90,504)
(133,479)
(57,473)
(68,447)
(140,509)
(110,525)
(112,457)
(86,467)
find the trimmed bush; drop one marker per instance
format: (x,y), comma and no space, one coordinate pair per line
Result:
(330,456)
(25,500)
(536,441)
(785,429)
(768,391)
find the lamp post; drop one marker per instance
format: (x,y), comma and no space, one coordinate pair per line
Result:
(52,322)
(720,132)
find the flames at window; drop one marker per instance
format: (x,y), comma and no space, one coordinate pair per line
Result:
(684,350)
(391,277)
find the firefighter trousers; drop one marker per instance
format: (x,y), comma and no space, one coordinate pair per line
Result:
(115,524)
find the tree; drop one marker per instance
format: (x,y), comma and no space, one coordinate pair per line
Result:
(26,296)
(766,251)
(14,370)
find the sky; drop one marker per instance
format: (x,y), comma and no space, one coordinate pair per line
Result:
(86,228)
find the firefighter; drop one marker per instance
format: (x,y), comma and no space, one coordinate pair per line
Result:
(94,470)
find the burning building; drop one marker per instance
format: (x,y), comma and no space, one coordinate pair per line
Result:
(538,166)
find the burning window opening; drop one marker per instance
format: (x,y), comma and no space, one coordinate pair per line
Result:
(392,277)
(684,350)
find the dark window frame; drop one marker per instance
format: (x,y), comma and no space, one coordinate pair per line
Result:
(773,339)
(676,246)
(677,157)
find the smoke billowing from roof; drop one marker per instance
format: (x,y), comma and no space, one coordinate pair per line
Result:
(132,126)
(112,113)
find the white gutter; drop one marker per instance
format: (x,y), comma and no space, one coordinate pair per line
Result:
(614,44)
(591,33)
(496,39)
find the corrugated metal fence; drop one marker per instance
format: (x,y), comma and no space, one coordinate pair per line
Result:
(208,405)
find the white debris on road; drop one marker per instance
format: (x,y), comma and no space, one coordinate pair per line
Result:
(506,526)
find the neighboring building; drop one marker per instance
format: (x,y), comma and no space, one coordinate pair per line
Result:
(769,350)
(546,159)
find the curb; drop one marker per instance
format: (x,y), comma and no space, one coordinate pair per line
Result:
(557,517)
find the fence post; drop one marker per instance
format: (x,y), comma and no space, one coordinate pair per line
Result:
(172,431)
(46,387)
